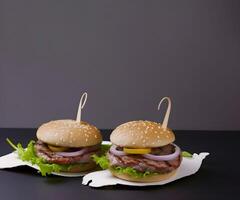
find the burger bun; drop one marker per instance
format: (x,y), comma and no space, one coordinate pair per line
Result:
(69,133)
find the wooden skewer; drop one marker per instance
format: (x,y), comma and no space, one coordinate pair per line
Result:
(81,105)
(167,114)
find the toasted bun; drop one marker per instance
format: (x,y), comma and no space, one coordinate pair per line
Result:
(69,133)
(82,167)
(141,134)
(148,179)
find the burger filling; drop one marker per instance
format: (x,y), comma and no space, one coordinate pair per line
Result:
(62,155)
(140,163)
(51,160)
(143,164)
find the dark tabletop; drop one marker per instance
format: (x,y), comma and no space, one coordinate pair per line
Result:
(218,178)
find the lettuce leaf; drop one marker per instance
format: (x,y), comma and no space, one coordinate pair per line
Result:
(133,172)
(105,148)
(103,162)
(28,154)
(186,154)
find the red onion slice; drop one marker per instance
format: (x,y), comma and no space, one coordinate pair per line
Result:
(86,158)
(116,152)
(78,153)
(168,157)
(164,157)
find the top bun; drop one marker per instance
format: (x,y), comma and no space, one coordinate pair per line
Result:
(69,133)
(141,134)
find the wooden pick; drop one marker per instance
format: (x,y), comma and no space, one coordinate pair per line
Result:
(81,105)
(167,114)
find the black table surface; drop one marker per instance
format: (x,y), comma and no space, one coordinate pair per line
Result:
(218,178)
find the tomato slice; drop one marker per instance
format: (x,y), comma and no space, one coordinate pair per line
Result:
(136,151)
(57,149)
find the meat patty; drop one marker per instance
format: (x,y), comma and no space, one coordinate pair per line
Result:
(47,154)
(143,164)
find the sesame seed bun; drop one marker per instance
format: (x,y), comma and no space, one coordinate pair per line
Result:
(69,133)
(141,134)
(147,179)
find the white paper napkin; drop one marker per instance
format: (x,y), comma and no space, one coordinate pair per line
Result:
(188,167)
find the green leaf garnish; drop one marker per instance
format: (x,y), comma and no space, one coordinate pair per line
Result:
(105,148)
(186,154)
(133,172)
(28,154)
(11,144)
(103,162)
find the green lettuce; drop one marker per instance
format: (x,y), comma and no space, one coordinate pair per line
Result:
(186,154)
(28,154)
(133,172)
(105,148)
(103,162)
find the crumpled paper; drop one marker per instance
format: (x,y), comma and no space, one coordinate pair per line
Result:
(189,166)
(11,160)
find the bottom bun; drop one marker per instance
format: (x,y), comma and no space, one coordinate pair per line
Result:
(147,179)
(81,167)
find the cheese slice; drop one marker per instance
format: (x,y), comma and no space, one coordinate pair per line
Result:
(57,149)
(136,151)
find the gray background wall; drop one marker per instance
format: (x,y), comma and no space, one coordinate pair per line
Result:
(127,55)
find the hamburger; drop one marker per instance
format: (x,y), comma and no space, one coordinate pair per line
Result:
(143,151)
(68,144)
